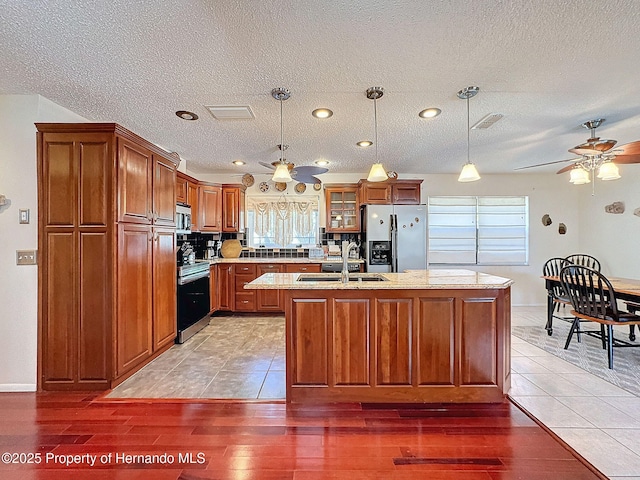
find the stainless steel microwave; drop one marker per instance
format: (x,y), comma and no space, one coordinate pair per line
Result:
(183,218)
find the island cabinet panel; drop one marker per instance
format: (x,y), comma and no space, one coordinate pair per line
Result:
(393,325)
(478,348)
(435,341)
(350,342)
(309,336)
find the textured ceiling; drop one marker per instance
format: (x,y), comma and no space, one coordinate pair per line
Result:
(547,66)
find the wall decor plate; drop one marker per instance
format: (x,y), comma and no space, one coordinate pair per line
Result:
(247,180)
(264,187)
(281,186)
(317,186)
(300,187)
(392,174)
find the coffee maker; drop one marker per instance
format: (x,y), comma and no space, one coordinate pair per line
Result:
(210,252)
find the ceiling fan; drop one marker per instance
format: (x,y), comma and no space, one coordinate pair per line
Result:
(304,174)
(595,152)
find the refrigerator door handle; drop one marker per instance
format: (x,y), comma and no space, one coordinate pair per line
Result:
(394,243)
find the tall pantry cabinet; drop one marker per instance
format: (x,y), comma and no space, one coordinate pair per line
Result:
(107,269)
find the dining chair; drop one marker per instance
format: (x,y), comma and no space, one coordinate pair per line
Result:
(593,299)
(556,295)
(584,260)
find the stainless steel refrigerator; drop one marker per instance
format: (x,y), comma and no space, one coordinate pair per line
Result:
(394,237)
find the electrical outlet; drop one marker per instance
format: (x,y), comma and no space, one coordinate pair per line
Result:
(26,257)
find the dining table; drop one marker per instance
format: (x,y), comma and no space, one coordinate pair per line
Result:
(625,289)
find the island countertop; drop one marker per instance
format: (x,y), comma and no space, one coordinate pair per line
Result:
(412,279)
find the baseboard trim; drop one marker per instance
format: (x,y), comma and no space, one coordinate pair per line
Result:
(17,387)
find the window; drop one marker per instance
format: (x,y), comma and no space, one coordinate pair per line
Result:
(479,230)
(282,222)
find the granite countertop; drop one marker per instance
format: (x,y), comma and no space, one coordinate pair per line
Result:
(412,279)
(280,260)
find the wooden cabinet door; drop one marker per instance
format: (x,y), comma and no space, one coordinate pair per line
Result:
(134,297)
(406,193)
(134,183)
(269,300)
(192,199)
(181,189)
(375,193)
(342,208)
(210,208)
(164,191)
(230,209)
(226,290)
(164,287)
(213,289)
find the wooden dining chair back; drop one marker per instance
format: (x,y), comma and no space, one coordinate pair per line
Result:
(584,260)
(593,299)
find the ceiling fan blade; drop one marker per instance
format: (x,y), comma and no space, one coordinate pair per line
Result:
(548,163)
(304,177)
(632,148)
(268,165)
(304,170)
(565,169)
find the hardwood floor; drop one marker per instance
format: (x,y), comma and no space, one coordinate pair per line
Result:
(233,440)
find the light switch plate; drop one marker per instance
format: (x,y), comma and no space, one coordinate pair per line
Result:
(26,257)
(24,215)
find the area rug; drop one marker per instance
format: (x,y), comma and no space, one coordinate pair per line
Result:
(589,354)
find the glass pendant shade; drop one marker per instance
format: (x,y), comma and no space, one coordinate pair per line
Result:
(282,173)
(469,173)
(579,176)
(377,173)
(608,171)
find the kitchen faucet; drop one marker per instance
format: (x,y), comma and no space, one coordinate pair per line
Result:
(346,248)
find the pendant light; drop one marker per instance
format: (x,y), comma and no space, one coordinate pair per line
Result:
(282,170)
(469,172)
(377,172)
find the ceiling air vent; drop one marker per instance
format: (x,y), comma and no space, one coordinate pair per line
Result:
(487,121)
(230,112)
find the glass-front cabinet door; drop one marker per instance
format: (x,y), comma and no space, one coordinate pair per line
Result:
(342,208)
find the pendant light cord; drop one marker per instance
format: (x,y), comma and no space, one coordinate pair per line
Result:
(468,130)
(281,133)
(375,123)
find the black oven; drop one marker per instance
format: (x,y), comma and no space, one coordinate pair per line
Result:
(193,299)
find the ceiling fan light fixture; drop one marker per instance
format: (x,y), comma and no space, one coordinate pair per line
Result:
(579,176)
(469,171)
(608,171)
(282,173)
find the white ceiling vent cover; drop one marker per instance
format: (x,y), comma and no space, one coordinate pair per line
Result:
(487,121)
(231,112)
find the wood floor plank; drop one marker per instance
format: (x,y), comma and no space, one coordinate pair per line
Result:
(275,441)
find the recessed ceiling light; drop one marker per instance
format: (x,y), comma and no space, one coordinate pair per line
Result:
(183,114)
(238,162)
(322,113)
(322,163)
(365,143)
(430,112)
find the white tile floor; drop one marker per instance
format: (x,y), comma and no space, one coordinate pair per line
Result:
(599,420)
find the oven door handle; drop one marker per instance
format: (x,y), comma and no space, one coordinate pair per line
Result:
(192,278)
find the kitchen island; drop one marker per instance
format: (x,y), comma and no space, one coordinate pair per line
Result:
(414,337)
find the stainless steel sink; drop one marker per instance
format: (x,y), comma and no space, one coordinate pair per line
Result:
(333,277)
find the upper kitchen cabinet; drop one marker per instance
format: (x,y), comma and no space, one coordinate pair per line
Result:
(233,208)
(342,207)
(209,208)
(397,192)
(146,185)
(182,182)
(106,241)
(187,193)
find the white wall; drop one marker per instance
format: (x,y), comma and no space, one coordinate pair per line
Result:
(18,284)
